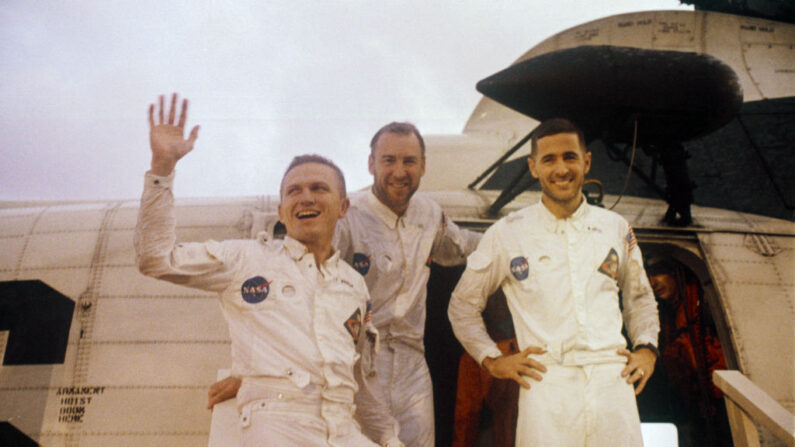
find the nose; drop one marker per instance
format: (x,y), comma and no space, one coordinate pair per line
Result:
(306,196)
(560,168)
(400,170)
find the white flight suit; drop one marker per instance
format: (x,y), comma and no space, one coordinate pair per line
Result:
(562,278)
(393,253)
(299,333)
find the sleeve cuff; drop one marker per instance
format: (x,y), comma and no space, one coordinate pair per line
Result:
(493,352)
(648,346)
(158,181)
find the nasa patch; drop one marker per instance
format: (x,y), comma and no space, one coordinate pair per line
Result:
(255,290)
(361,263)
(520,268)
(610,265)
(353,324)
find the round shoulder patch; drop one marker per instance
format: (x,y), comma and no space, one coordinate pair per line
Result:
(361,263)
(255,290)
(520,268)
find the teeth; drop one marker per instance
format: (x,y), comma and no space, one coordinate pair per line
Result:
(302,214)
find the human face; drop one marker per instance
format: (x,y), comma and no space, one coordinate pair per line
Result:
(311,204)
(664,286)
(560,164)
(397,164)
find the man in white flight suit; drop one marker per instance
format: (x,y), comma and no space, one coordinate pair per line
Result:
(390,235)
(561,264)
(299,317)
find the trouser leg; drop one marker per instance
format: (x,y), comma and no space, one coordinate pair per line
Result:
(612,409)
(404,376)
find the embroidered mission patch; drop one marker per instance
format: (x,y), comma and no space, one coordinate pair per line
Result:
(610,265)
(520,268)
(353,324)
(255,289)
(361,263)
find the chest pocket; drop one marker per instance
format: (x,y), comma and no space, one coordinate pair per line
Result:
(343,311)
(381,254)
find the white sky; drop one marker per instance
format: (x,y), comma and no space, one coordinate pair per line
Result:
(267,80)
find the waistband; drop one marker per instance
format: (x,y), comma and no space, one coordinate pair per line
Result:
(559,355)
(276,388)
(396,341)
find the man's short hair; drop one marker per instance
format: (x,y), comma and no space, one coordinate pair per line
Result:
(314,158)
(555,126)
(656,265)
(400,128)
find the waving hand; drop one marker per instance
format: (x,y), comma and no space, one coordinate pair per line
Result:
(167,139)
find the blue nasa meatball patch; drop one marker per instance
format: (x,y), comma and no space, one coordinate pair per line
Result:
(520,268)
(255,290)
(361,263)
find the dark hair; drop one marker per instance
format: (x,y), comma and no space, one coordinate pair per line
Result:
(656,265)
(314,158)
(555,126)
(400,128)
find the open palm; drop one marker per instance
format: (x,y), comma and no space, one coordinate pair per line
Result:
(167,139)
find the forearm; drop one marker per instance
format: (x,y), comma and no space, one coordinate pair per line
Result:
(465,313)
(197,265)
(155,229)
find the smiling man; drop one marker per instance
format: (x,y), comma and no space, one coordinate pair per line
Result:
(302,343)
(390,235)
(561,264)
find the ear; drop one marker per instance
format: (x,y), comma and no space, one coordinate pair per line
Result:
(371,164)
(532,165)
(281,217)
(346,203)
(587,160)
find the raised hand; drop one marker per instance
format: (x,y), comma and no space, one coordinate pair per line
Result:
(167,139)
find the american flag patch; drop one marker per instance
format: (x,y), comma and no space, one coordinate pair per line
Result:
(353,324)
(632,241)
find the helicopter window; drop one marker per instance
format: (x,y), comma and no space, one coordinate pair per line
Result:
(38,319)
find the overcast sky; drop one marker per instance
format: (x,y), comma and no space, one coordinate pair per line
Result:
(267,80)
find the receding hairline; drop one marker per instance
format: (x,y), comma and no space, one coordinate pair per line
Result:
(318,160)
(398,128)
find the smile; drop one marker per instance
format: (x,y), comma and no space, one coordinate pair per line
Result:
(307,214)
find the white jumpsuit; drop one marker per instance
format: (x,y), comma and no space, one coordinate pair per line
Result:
(299,333)
(394,253)
(562,278)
